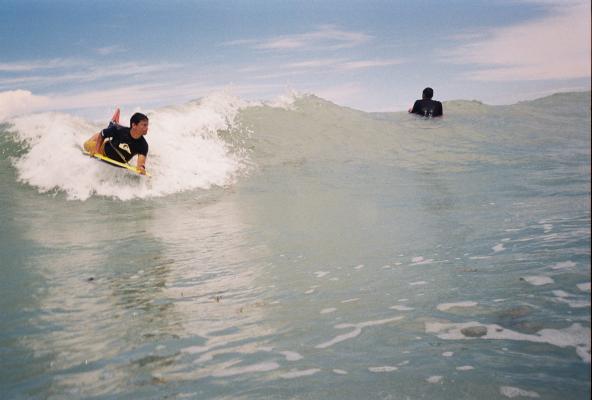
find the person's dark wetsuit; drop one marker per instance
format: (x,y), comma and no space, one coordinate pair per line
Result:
(428,108)
(122,143)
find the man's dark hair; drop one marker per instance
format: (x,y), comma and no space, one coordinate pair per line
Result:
(428,93)
(137,118)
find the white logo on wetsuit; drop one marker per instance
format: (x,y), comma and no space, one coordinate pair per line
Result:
(124,146)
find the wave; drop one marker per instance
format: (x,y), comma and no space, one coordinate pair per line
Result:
(185,152)
(470,133)
(214,141)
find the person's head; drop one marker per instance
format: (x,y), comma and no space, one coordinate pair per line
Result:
(428,93)
(139,124)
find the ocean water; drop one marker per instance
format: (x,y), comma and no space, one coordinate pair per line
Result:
(300,250)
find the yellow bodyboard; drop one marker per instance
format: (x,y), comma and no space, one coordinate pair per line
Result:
(116,163)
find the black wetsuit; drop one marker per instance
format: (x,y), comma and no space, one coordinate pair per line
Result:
(428,108)
(122,140)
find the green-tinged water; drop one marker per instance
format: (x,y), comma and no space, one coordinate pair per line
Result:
(304,252)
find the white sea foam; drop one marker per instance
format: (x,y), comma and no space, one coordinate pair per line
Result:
(385,368)
(421,261)
(498,247)
(328,310)
(355,332)
(584,287)
(561,293)
(340,338)
(564,265)
(448,354)
(233,371)
(574,303)
(291,355)
(285,101)
(538,280)
(185,152)
(299,373)
(418,283)
(512,392)
(340,372)
(575,335)
(401,308)
(573,300)
(460,304)
(350,300)
(434,379)
(321,274)
(465,368)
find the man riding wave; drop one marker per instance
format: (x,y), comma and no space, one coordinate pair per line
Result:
(121,143)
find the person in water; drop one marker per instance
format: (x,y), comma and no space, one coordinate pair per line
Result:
(426,106)
(123,143)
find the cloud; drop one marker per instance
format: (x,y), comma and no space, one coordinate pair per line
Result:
(35,65)
(556,46)
(16,102)
(340,64)
(105,51)
(364,64)
(85,73)
(320,65)
(315,63)
(327,37)
(312,69)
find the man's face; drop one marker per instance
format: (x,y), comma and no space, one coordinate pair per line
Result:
(140,128)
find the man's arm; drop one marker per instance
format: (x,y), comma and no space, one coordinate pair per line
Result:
(141,164)
(440,110)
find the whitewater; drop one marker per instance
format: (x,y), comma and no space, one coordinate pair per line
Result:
(299,249)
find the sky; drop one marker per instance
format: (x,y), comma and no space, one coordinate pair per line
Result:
(87,56)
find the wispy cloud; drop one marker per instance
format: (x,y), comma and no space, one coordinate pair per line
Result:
(364,64)
(84,72)
(554,47)
(319,65)
(313,64)
(108,50)
(326,37)
(312,67)
(340,64)
(36,65)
